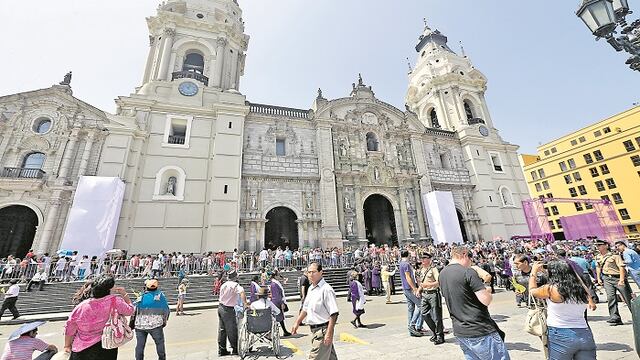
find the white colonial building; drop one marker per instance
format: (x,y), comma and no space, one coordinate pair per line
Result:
(205,169)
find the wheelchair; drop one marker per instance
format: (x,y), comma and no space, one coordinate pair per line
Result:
(258,327)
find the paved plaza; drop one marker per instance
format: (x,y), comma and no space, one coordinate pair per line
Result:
(193,337)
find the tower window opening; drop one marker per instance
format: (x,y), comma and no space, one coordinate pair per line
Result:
(177,132)
(193,62)
(467,110)
(434,118)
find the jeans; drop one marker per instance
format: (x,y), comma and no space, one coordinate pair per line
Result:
(570,344)
(413,310)
(157,335)
(635,275)
(488,347)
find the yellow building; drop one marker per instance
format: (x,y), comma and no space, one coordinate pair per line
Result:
(599,161)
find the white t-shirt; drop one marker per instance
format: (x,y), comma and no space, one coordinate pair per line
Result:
(265,304)
(13,291)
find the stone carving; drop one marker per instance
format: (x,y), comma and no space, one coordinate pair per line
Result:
(408,200)
(343,148)
(67,79)
(309,202)
(170,32)
(171,186)
(347,203)
(254,202)
(412,227)
(400,150)
(369,119)
(350,227)
(376,174)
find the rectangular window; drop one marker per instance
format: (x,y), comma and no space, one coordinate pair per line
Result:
(541,173)
(588,206)
(545,185)
(559,224)
(605,169)
(563,166)
(572,163)
(226,189)
(598,155)
(281,147)
(582,139)
(638,141)
(177,131)
(624,214)
(605,197)
(552,225)
(547,211)
(534,175)
(538,187)
(578,206)
(549,195)
(628,145)
(587,158)
(496,162)
(230,124)
(573,192)
(617,198)
(632,228)
(574,142)
(611,184)
(554,150)
(567,179)
(582,190)
(606,130)
(594,172)
(599,185)
(546,152)
(597,133)
(577,177)
(635,159)
(554,210)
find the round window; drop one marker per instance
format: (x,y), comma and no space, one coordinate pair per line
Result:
(42,125)
(200,16)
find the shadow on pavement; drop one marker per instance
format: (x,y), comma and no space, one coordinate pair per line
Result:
(296,336)
(614,347)
(500,318)
(519,346)
(266,352)
(373,326)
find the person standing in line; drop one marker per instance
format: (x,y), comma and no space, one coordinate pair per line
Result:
(386,276)
(182,296)
(320,310)
(156,267)
(357,300)
(303,287)
(10,299)
(431,305)
(631,260)
(230,291)
(612,274)
(152,313)
(410,290)
(468,299)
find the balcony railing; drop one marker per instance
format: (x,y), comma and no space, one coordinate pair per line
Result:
(278,111)
(21,173)
(176,139)
(476,121)
(190,75)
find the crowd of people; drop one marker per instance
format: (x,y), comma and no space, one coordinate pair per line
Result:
(560,277)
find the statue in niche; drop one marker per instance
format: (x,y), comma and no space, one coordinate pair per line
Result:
(412,227)
(376,174)
(254,202)
(350,227)
(408,200)
(347,203)
(171,186)
(400,151)
(309,203)
(343,148)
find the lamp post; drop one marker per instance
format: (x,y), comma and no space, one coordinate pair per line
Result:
(603,17)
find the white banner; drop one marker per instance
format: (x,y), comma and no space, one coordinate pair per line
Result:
(440,211)
(94,215)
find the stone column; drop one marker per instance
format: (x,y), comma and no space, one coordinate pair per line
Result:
(49,226)
(167,45)
(149,66)
(331,234)
(403,213)
(220,54)
(232,73)
(359,207)
(402,238)
(300,232)
(65,165)
(422,221)
(86,155)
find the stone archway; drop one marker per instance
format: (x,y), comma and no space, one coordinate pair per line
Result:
(17,229)
(281,229)
(379,221)
(463,229)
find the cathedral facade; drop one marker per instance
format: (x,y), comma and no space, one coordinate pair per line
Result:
(205,169)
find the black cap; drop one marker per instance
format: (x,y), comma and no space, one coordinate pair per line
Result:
(427,256)
(601,242)
(621,242)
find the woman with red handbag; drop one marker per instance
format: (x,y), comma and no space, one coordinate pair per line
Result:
(86,324)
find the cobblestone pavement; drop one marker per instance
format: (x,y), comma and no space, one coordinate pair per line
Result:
(194,337)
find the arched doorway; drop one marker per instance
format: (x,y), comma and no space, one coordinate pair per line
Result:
(463,229)
(379,221)
(17,229)
(281,229)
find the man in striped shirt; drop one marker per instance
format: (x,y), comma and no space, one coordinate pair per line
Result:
(23,346)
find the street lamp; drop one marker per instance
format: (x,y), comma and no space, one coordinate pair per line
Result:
(603,17)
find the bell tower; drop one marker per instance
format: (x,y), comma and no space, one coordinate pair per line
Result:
(448,92)
(202,40)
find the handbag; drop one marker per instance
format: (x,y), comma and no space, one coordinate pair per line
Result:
(536,320)
(116,331)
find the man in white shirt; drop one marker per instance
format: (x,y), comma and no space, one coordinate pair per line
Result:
(321,312)
(264,255)
(38,279)
(10,299)
(156,267)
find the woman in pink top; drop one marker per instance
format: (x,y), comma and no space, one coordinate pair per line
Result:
(83,330)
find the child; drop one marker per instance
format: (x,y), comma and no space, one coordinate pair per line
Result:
(182,294)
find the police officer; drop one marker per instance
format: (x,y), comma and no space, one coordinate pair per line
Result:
(611,273)
(431,303)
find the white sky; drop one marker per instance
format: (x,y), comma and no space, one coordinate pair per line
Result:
(547,75)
